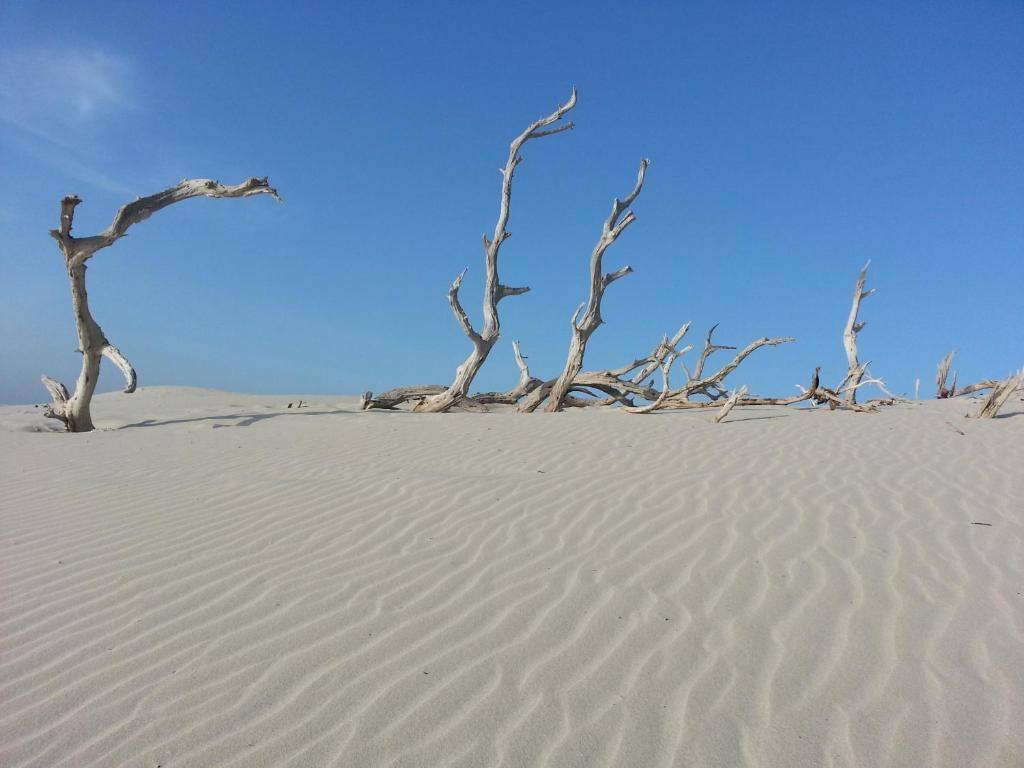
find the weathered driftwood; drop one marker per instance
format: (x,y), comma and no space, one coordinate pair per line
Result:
(494,291)
(393,398)
(618,220)
(729,404)
(1001,392)
(712,386)
(943,392)
(856,371)
(941,374)
(73,409)
(630,382)
(665,356)
(525,386)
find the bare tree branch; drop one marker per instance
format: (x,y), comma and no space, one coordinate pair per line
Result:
(525,386)
(113,354)
(856,370)
(494,291)
(703,386)
(669,358)
(616,223)
(1000,393)
(942,391)
(74,410)
(730,404)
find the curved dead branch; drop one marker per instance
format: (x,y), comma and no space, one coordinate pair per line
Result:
(73,410)
(483,341)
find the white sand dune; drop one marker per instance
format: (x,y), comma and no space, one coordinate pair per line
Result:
(217,580)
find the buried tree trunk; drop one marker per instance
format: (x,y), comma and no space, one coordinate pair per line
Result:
(483,341)
(73,409)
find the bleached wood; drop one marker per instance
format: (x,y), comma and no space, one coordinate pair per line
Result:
(525,385)
(392,398)
(669,356)
(855,371)
(1000,393)
(942,373)
(730,404)
(74,410)
(618,220)
(709,385)
(483,341)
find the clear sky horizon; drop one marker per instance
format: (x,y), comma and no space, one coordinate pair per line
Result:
(789,144)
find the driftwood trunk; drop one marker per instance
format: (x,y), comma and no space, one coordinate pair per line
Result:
(74,409)
(614,225)
(855,371)
(494,291)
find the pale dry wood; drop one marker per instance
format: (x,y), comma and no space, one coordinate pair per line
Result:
(74,410)
(730,404)
(652,363)
(392,398)
(620,218)
(856,371)
(667,358)
(941,374)
(942,391)
(711,386)
(1000,393)
(483,341)
(523,387)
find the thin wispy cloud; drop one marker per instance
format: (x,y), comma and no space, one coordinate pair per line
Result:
(45,92)
(59,106)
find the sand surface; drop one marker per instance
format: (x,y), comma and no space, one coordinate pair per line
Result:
(214,579)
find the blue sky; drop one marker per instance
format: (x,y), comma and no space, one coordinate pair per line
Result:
(790,142)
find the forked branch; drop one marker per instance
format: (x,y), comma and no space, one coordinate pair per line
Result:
(483,341)
(618,220)
(73,410)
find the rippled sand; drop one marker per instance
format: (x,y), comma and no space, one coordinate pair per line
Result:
(217,580)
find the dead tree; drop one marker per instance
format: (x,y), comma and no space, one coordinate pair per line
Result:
(73,409)
(1000,393)
(494,290)
(622,385)
(855,371)
(712,386)
(616,223)
(942,374)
